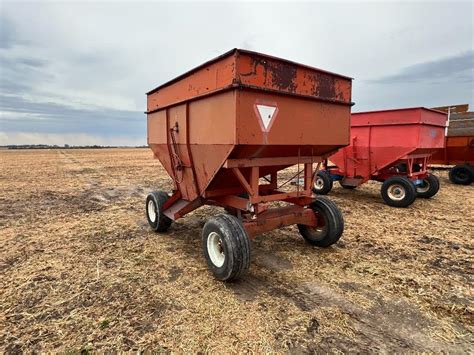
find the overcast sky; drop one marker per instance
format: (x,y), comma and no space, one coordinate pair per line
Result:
(77,72)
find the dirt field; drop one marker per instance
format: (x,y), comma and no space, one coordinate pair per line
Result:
(80,269)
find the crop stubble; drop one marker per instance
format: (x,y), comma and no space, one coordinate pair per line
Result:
(82,271)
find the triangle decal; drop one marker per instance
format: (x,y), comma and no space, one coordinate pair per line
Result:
(266,114)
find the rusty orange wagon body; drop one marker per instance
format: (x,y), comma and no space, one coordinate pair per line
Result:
(225,129)
(458,150)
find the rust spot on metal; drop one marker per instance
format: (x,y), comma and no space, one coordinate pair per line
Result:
(323,85)
(283,76)
(278,75)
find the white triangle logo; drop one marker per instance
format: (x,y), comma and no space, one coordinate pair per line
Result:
(266,114)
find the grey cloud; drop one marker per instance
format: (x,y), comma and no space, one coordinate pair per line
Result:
(31,62)
(56,118)
(12,86)
(457,68)
(7,32)
(21,73)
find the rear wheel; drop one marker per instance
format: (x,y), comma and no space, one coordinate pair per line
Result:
(398,191)
(226,247)
(331,224)
(322,183)
(154,211)
(461,175)
(429,187)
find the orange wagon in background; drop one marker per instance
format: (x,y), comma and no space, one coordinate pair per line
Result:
(459,149)
(225,129)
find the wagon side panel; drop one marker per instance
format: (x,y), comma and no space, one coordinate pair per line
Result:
(458,150)
(273,74)
(291,121)
(211,78)
(390,143)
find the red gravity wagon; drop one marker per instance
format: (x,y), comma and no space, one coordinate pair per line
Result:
(224,130)
(390,146)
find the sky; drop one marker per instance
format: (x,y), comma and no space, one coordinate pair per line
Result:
(77,72)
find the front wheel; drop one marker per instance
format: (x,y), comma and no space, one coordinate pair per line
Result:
(226,247)
(322,183)
(154,211)
(429,187)
(330,224)
(398,191)
(461,175)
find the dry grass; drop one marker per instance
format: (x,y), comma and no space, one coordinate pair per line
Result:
(82,271)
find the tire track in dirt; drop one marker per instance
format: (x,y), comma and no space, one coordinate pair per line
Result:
(385,327)
(94,191)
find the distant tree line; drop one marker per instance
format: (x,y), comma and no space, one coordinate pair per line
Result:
(65,146)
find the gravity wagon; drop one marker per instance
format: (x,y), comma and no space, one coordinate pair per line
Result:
(224,130)
(392,147)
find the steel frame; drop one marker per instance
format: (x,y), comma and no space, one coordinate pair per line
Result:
(410,160)
(253,208)
(383,174)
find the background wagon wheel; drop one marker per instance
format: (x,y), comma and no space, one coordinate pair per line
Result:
(461,175)
(226,247)
(331,224)
(398,191)
(429,187)
(154,211)
(322,183)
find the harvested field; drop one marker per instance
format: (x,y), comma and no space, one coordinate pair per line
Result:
(82,271)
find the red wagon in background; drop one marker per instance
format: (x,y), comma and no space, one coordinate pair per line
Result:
(390,146)
(459,148)
(225,129)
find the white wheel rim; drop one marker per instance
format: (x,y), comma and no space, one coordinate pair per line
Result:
(215,249)
(318,183)
(319,231)
(423,188)
(396,192)
(151,210)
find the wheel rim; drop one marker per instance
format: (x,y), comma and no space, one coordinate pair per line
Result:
(320,231)
(151,210)
(396,192)
(215,249)
(461,175)
(318,183)
(423,187)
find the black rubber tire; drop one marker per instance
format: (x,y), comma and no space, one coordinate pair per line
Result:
(347,187)
(326,183)
(161,223)
(333,228)
(235,245)
(405,185)
(431,189)
(461,175)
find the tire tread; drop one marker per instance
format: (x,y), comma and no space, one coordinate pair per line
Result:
(410,189)
(335,219)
